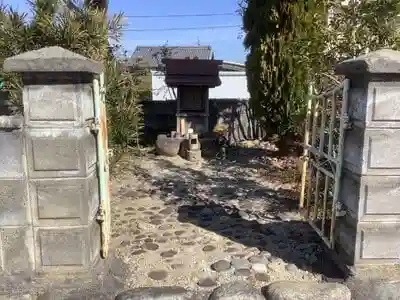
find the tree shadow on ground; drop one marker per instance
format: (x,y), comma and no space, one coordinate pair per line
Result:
(184,185)
(292,241)
(231,204)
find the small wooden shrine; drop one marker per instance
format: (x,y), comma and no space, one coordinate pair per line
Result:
(192,78)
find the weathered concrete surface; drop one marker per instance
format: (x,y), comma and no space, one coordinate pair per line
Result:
(368,234)
(384,61)
(48,184)
(103,282)
(373,288)
(51,59)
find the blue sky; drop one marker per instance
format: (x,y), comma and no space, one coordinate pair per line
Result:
(225,41)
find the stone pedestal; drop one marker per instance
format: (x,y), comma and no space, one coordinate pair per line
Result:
(49,186)
(369,233)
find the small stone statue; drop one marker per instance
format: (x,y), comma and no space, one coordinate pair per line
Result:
(222,142)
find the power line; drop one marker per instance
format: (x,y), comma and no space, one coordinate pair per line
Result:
(183,15)
(182,28)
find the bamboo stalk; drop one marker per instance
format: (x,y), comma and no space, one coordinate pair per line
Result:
(313,140)
(306,149)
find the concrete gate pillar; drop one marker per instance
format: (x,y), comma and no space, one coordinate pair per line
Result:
(49,198)
(369,232)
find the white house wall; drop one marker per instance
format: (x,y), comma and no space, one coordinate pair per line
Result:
(233,86)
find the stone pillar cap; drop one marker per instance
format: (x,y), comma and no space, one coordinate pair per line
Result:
(51,59)
(384,61)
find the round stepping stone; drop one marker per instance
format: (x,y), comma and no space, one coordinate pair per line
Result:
(291,268)
(221,266)
(262,277)
(243,272)
(209,248)
(165,227)
(125,243)
(138,252)
(177,266)
(169,253)
(258,259)
(162,241)
(189,243)
(166,211)
(232,250)
(151,246)
(141,209)
(148,240)
(140,236)
(169,292)
(149,213)
(157,275)
(167,234)
(155,208)
(240,263)
(207,282)
(316,290)
(236,290)
(127,214)
(259,268)
(179,232)
(156,222)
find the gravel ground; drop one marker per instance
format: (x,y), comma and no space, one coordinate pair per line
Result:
(199,225)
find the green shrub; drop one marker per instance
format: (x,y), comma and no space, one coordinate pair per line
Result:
(82,30)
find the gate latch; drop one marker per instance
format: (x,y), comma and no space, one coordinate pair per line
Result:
(347,122)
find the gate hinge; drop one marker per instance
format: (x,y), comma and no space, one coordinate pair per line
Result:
(347,122)
(100,216)
(95,126)
(340,210)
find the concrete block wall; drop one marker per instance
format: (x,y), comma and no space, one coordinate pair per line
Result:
(48,180)
(369,233)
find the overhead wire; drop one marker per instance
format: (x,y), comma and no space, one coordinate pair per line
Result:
(182,28)
(181,15)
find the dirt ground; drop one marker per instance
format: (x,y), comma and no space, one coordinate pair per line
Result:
(201,224)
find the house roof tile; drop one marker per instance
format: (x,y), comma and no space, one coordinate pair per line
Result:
(152,55)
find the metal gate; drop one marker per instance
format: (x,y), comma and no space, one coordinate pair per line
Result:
(326,122)
(100,129)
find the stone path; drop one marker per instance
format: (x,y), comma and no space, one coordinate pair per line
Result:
(207,224)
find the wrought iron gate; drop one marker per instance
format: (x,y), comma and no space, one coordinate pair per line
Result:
(322,160)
